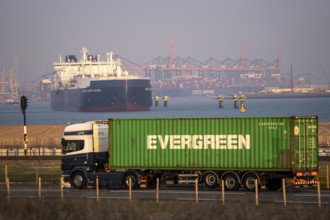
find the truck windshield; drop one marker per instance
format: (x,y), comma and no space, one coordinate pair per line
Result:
(72,145)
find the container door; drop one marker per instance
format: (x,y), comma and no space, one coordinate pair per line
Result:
(305,143)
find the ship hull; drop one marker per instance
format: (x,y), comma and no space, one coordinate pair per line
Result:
(105,96)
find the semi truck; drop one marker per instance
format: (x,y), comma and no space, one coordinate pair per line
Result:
(237,150)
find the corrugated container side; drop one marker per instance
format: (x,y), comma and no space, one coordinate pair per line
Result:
(305,144)
(253,143)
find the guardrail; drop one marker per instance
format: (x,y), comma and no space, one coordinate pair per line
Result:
(36,147)
(35,151)
(24,158)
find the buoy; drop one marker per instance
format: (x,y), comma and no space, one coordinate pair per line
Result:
(235,101)
(156,101)
(165,101)
(220,101)
(242,98)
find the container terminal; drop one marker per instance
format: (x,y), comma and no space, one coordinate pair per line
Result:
(178,76)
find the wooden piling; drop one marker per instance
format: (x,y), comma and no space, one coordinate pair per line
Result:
(97,189)
(8,188)
(6,172)
(157,190)
(257,191)
(130,189)
(223,191)
(196,190)
(284,191)
(319,193)
(327,176)
(39,187)
(61,187)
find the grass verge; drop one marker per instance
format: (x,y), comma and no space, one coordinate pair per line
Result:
(53,174)
(28,174)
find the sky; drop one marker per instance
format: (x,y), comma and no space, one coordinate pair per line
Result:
(38,31)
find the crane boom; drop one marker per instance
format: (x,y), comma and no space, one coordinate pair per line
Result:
(172,52)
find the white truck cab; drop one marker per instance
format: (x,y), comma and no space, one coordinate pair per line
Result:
(85,157)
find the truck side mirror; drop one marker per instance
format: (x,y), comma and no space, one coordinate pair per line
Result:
(64,142)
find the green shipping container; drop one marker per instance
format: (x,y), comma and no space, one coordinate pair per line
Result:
(244,143)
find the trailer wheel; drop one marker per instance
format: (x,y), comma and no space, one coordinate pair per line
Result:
(134,179)
(231,182)
(249,182)
(211,180)
(78,180)
(274,184)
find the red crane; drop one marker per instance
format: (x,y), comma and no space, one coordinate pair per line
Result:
(280,56)
(172,52)
(243,54)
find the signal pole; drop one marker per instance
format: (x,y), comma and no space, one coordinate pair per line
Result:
(24,105)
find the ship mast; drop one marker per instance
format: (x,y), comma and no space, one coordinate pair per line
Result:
(84,52)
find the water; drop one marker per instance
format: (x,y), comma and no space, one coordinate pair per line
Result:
(39,113)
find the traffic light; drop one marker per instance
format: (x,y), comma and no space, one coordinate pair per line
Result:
(24,103)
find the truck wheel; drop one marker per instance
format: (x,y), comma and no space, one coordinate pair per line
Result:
(211,180)
(78,180)
(231,182)
(273,184)
(134,179)
(249,182)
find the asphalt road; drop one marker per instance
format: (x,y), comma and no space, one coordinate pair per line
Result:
(307,196)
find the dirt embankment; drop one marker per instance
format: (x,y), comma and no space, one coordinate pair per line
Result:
(56,131)
(33,131)
(324,134)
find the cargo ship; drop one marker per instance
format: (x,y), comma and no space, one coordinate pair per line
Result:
(92,85)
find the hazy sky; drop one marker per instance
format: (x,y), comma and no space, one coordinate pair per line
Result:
(38,31)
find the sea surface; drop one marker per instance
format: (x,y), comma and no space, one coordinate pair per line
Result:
(40,113)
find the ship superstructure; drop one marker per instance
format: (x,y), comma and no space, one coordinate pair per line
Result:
(91,84)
